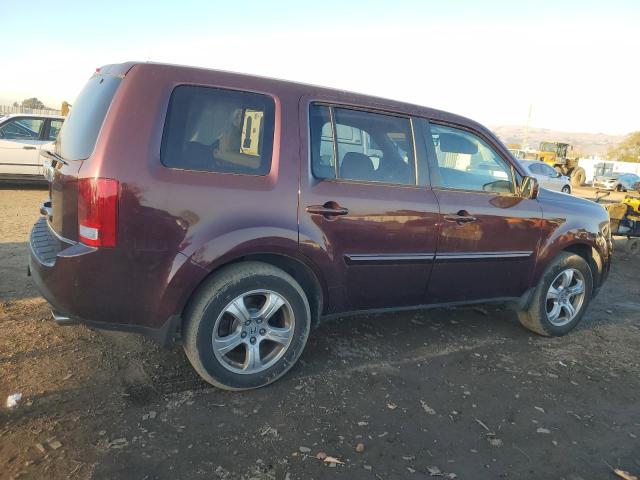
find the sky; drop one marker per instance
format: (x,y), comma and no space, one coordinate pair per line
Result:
(575,62)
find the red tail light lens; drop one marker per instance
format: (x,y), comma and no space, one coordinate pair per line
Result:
(98,211)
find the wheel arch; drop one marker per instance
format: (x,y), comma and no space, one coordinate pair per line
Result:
(583,250)
(591,256)
(302,271)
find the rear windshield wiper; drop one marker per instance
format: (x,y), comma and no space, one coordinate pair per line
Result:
(53,156)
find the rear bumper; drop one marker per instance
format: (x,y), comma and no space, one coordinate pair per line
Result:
(99,288)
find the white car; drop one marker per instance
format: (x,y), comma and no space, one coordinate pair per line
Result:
(22,136)
(547,176)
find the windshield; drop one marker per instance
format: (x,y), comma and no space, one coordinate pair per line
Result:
(79,132)
(548,147)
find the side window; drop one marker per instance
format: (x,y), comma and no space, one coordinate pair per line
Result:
(535,168)
(362,146)
(218,130)
(549,171)
(466,162)
(22,129)
(54,128)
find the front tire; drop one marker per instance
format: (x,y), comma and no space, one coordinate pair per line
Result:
(566,189)
(560,298)
(246,326)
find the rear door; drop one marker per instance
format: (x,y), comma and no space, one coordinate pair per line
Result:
(489,233)
(19,145)
(366,217)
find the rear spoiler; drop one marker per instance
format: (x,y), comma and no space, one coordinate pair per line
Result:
(116,69)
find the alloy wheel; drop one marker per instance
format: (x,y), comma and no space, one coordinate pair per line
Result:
(565,297)
(253,331)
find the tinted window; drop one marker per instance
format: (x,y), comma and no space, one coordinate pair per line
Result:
(80,130)
(218,130)
(22,129)
(466,162)
(54,129)
(369,146)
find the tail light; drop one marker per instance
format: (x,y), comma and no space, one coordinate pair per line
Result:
(98,211)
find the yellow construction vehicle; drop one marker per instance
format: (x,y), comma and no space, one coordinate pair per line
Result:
(557,154)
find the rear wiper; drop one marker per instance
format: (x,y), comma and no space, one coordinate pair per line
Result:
(53,156)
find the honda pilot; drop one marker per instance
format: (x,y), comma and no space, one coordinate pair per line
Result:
(233,212)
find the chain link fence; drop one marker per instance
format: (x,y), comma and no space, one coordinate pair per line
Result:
(8,109)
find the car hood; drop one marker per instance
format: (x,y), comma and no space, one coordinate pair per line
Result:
(570,204)
(607,177)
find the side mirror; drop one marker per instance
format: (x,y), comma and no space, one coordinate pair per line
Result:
(529,188)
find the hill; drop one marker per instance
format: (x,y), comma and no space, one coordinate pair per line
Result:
(586,144)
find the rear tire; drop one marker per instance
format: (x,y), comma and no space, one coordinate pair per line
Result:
(549,311)
(566,189)
(246,326)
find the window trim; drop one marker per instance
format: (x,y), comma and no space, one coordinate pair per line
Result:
(331,105)
(276,112)
(432,159)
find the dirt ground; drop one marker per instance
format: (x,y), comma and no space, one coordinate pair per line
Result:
(451,393)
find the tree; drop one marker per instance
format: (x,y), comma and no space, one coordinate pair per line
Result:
(16,104)
(33,103)
(628,150)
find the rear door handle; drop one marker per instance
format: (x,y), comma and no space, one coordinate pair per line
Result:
(461,217)
(28,147)
(329,209)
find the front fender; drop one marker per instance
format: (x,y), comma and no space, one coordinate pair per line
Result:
(573,224)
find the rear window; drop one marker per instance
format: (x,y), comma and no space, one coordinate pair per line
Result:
(80,130)
(217,130)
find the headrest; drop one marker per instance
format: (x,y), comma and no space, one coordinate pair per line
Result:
(357,166)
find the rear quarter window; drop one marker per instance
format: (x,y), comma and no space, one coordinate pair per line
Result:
(218,130)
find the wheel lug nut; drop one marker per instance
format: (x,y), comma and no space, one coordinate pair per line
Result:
(253,340)
(259,320)
(247,323)
(262,331)
(243,334)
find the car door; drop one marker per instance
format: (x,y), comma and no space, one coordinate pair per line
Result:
(366,217)
(536,170)
(489,233)
(20,140)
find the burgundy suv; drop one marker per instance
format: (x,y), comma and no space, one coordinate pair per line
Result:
(234,212)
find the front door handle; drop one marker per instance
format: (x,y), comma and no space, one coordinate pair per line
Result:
(329,209)
(461,217)
(28,147)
